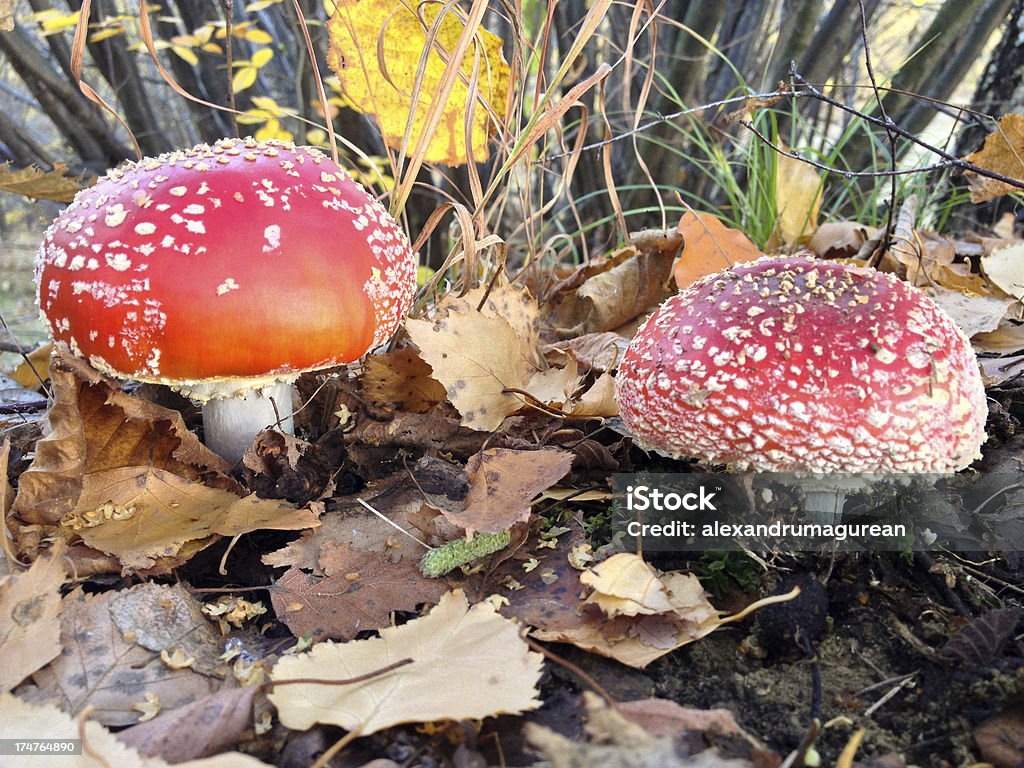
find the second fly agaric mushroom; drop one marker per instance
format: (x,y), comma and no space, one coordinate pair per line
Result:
(225,271)
(801,365)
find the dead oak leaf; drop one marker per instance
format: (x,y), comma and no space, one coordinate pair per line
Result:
(1002,153)
(466,663)
(503,483)
(29,606)
(360,592)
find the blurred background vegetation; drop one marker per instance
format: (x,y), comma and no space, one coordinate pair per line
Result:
(655,140)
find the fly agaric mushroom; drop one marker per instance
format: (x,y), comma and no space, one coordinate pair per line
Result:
(224,272)
(801,365)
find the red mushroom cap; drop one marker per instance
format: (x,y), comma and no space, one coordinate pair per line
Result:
(242,260)
(795,364)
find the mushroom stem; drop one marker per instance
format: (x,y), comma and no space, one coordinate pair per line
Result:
(232,423)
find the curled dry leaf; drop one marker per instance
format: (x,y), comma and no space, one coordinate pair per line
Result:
(841,239)
(503,483)
(709,246)
(1003,153)
(18,717)
(29,606)
(1004,266)
(974,314)
(122,475)
(467,663)
(614,741)
(616,290)
(672,608)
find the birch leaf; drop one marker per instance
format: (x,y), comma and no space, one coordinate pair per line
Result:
(467,663)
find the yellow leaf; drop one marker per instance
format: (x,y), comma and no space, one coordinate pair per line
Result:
(244,78)
(273,129)
(257,36)
(385,88)
(55,22)
(798,191)
(103,34)
(260,5)
(1002,153)
(186,54)
(266,103)
(262,56)
(466,663)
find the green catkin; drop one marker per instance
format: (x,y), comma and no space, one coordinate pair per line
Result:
(438,562)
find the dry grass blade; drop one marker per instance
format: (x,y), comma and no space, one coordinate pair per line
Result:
(77,56)
(435,110)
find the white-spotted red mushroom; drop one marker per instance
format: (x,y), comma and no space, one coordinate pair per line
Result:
(225,271)
(800,365)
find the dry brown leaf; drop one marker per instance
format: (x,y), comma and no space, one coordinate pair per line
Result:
(53,185)
(616,290)
(205,727)
(477,358)
(121,474)
(1006,339)
(467,663)
(516,307)
(709,246)
(152,513)
(613,741)
(662,717)
(401,380)
(1005,267)
(360,591)
(841,239)
(598,352)
(798,190)
(6,15)
(973,314)
(18,717)
(555,386)
(598,401)
(673,609)
(624,585)
(6,492)
(1000,370)
(1002,153)
(110,657)
(503,482)
(29,606)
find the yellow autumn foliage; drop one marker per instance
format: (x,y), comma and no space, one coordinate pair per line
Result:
(376,47)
